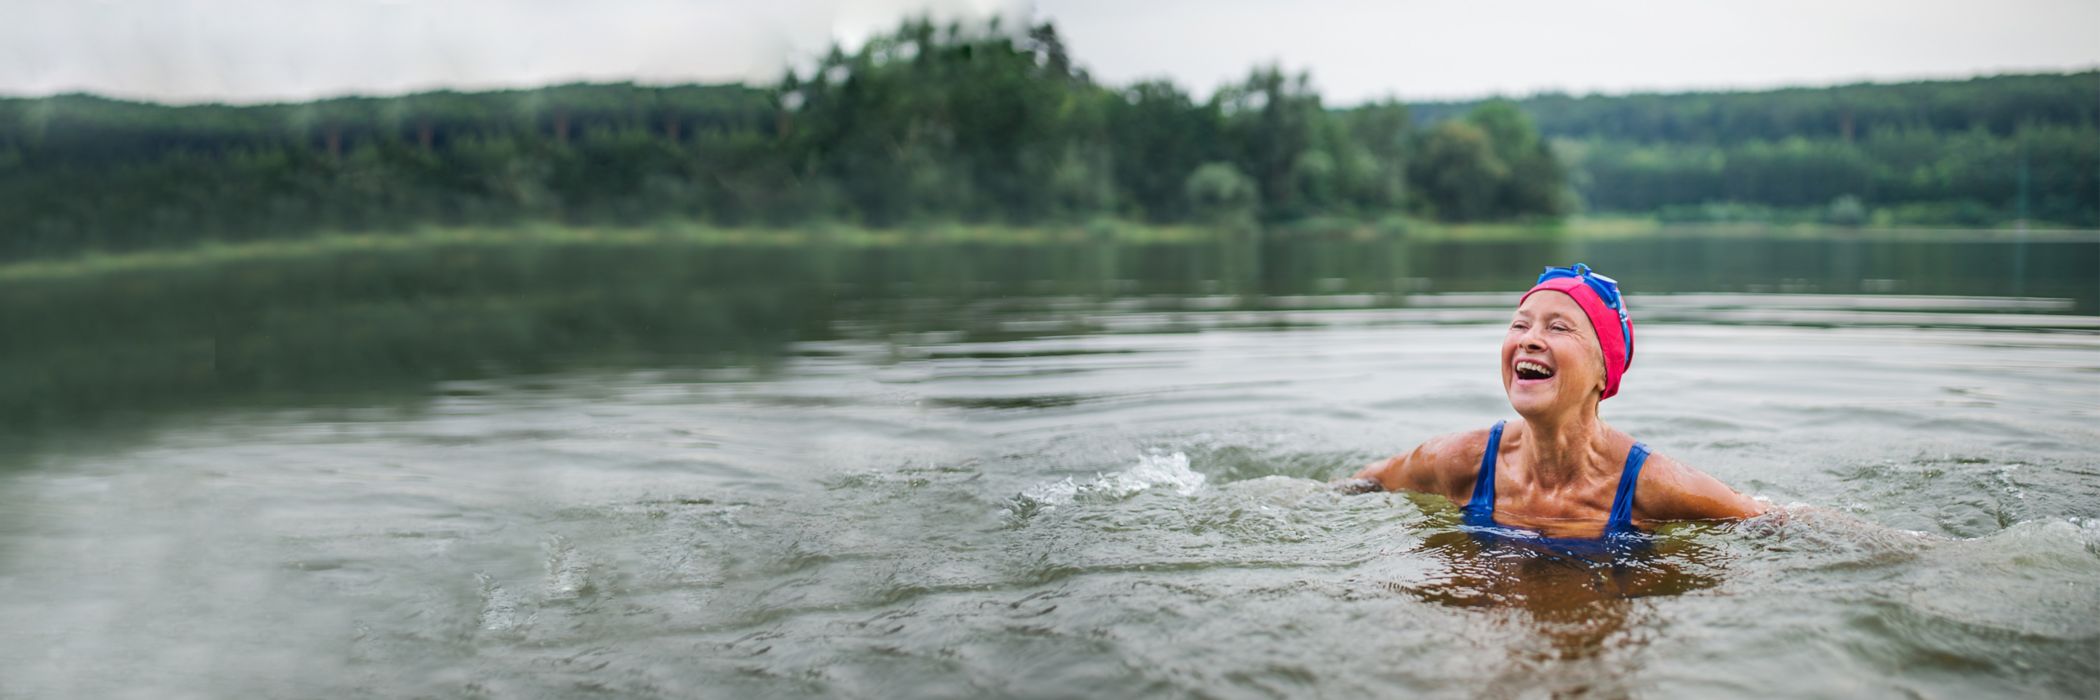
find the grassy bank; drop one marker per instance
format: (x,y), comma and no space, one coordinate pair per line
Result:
(533,239)
(547,235)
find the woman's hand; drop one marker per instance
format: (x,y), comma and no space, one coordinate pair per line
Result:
(1356,485)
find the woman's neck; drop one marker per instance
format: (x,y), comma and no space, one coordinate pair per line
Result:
(1560,450)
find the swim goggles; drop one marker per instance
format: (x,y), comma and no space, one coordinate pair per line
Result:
(1607,290)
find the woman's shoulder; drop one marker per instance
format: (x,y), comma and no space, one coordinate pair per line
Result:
(1448,463)
(1462,448)
(1672,490)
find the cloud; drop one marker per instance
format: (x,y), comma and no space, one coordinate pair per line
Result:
(1366,49)
(261,50)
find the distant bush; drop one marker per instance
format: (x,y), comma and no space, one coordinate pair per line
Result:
(1846,210)
(1221,189)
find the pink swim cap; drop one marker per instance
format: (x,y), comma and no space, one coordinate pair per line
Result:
(1599,298)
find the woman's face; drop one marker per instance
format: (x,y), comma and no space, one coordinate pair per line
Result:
(1551,362)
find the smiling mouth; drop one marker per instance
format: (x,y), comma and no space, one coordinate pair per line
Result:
(1527,369)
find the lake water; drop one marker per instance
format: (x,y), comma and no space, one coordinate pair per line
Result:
(1062,470)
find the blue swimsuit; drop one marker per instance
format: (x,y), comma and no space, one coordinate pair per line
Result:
(1619,532)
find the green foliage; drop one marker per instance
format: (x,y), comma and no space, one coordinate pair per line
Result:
(927,124)
(978,125)
(1372,157)
(1940,153)
(1488,165)
(1158,137)
(1997,105)
(1847,211)
(1221,188)
(1458,171)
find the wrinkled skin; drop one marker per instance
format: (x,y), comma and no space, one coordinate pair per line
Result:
(1551,329)
(1558,467)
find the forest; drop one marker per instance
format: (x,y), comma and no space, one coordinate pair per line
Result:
(1002,126)
(1978,152)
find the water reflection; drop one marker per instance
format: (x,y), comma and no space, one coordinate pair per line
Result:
(831,524)
(384,323)
(1572,621)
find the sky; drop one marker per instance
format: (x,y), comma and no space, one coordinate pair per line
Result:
(276,50)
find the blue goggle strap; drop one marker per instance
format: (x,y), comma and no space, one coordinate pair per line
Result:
(1606,288)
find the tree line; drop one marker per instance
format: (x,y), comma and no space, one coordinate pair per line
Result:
(926,123)
(1974,152)
(993,124)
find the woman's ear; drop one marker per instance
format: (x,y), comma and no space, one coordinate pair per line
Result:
(1604,376)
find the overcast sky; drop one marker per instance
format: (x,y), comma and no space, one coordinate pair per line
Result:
(263,50)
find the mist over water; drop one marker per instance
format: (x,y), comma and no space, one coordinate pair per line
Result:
(1087,469)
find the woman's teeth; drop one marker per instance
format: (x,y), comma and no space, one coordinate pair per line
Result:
(1527,369)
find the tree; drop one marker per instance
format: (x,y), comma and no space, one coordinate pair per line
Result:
(1220,192)
(1458,173)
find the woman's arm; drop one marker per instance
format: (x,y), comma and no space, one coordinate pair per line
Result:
(1374,477)
(1669,490)
(1433,467)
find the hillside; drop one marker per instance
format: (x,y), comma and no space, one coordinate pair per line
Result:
(1940,152)
(931,125)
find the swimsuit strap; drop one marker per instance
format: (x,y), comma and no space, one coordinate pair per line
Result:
(1482,504)
(1484,483)
(1622,503)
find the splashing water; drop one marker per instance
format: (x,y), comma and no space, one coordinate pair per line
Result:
(1152,470)
(832,527)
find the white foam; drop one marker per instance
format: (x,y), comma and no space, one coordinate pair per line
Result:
(501,610)
(1152,470)
(1053,493)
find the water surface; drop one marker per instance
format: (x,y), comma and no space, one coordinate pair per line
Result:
(1083,470)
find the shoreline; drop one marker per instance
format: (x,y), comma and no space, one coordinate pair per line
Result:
(209,252)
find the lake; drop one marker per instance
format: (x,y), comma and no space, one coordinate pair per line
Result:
(1072,469)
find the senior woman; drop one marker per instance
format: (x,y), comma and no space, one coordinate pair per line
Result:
(1560,473)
